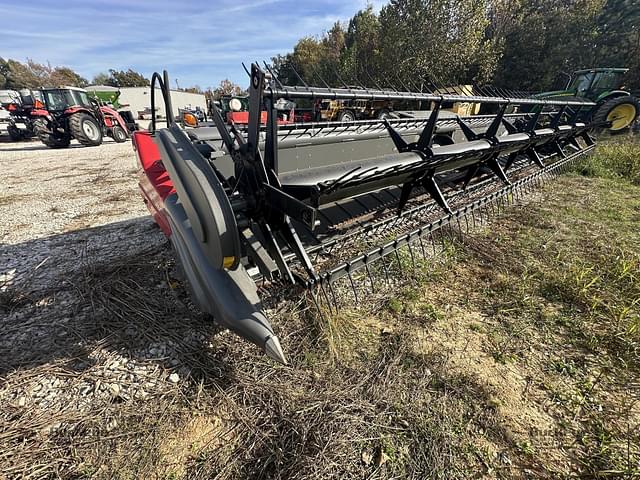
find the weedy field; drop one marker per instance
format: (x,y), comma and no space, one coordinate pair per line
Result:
(515,353)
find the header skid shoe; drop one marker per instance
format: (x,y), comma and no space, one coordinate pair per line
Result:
(256,203)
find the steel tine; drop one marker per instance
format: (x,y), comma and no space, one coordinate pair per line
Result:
(358,82)
(316,73)
(459,226)
(315,301)
(413,261)
(434,80)
(246,69)
(366,266)
(398,259)
(333,295)
(324,292)
(298,75)
(344,84)
(384,267)
(424,253)
(273,75)
(353,286)
(375,84)
(413,86)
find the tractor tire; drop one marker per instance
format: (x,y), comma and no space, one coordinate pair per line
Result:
(346,116)
(118,134)
(41,130)
(14,133)
(85,129)
(620,111)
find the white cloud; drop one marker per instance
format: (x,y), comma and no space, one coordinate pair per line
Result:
(199,42)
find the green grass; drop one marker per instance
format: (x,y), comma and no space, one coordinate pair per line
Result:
(615,158)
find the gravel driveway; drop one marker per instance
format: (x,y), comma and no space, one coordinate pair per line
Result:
(79,256)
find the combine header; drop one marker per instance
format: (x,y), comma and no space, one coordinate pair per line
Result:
(298,207)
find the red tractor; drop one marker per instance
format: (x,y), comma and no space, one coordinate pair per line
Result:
(69,113)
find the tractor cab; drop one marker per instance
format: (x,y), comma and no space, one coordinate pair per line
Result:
(61,99)
(596,82)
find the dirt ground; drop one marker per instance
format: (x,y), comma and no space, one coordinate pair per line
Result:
(483,364)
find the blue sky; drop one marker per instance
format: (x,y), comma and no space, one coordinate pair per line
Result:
(199,42)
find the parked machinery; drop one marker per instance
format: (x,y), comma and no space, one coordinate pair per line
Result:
(614,107)
(16,115)
(301,207)
(109,96)
(69,113)
(340,110)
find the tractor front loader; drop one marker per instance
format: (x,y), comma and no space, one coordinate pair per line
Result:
(294,208)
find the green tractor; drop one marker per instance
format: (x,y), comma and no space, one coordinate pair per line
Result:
(604,86)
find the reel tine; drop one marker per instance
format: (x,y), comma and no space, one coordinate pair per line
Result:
(413,260)
(353,287)
(295,72)
(424,253)
(317,304)
(333,295)
(366,266)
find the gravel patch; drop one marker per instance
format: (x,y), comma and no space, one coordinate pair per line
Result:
(77,243)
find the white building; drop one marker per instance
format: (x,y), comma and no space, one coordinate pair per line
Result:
(139,98)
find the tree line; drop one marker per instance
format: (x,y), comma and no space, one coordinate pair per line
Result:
(517,44)
(418,44)
(16,75)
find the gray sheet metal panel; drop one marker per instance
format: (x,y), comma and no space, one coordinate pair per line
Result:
(330,151)
(301,149)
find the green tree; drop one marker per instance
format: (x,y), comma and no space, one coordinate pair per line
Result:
(360,62)
(618,40)
(130,78)
(22,75)
(61,76)
(441,40)
(16,75)
(226,87)
(316,60)
(546,37)
(100,79)
(4,73)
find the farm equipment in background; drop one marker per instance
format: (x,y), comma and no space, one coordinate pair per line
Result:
(464,109)
(69,113)
(109,96)
(17,107)
(319,207)
(9,99)
(349,110)
(613,105)
(191,117)
(234,109)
